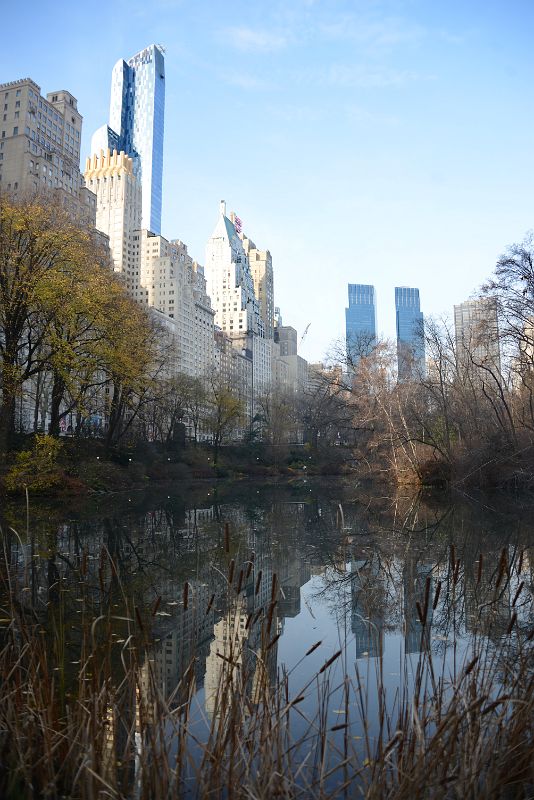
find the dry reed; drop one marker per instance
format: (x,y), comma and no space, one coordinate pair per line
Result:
(102,728)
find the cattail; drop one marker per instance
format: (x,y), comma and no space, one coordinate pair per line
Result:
(436,596)
(512,623)
(330,661)
(226,537)
(270,613)
(519,590)
(258,582)
(186,596)
(312,648)
(495,704)
(298,699)
(502,567)
(210,604)
(273,641)
(257,615)
(471,665)
(427,597)
(420,613)
(452,556)
(156,605)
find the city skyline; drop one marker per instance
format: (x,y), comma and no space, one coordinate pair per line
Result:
(412,105)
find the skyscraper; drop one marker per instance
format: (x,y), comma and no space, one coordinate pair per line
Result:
(476,328)
(136,124)
(410,336)
(237,311)
(360,321)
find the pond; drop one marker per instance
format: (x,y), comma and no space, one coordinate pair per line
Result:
(272,634)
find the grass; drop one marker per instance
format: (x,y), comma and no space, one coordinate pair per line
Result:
(103,728)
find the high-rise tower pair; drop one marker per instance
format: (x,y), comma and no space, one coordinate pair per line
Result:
(361,330)
(136,124)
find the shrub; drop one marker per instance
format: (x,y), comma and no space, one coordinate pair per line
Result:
(36,469)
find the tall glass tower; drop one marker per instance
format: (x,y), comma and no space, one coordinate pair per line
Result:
(410,334)
(360,321)
(136,123)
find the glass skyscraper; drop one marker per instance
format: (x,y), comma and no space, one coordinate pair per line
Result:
(136,123)
(410,335)
(360,321)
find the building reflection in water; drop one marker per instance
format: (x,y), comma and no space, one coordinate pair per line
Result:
(155,552)
(368,604)
(418,600)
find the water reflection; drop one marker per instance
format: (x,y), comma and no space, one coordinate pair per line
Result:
(210,574)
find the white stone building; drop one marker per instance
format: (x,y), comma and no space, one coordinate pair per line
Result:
(175,285)
(237,311)
(261,269)
(118,209)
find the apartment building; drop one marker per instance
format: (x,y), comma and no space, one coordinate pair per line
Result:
(40,147)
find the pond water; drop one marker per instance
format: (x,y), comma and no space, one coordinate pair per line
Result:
(209,571)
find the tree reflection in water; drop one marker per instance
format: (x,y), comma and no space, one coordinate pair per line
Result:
(195,622)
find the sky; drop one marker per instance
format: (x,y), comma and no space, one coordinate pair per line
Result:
(388,142)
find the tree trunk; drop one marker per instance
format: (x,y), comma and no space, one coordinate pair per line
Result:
(7,419)
(37,401)
(115,416)
(58,390)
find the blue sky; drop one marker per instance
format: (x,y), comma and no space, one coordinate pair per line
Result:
(365,141)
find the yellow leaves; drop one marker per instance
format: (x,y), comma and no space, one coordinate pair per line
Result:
(59,304)
(37,468)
